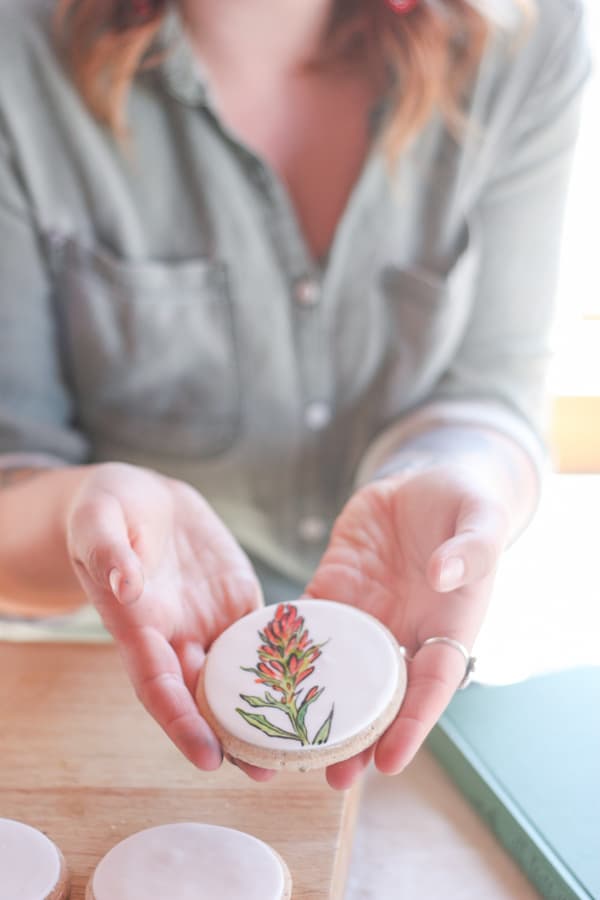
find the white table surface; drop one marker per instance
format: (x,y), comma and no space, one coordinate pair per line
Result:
(418,839)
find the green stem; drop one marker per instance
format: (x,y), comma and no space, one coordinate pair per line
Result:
(292,711)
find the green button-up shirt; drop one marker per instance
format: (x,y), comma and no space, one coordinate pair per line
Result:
(160,305)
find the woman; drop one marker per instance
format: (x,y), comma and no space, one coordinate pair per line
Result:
(275,275)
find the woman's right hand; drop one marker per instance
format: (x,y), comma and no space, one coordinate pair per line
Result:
(167,578)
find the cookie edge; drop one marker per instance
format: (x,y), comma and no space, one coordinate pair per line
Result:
(62,890)
(315,758)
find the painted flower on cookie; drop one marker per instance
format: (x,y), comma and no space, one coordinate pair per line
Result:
(287,658)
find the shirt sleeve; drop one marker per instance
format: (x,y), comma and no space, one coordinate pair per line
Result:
(36,409)
(497,378)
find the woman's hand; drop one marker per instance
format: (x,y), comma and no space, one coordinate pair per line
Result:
(418,551)
(167,578)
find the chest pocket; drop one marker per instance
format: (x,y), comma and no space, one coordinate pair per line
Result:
(428,317)
(151,351)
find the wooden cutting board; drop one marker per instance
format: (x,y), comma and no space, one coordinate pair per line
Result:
(81,760)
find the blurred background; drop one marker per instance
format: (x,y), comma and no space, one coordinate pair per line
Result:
(546,608)
(576,370)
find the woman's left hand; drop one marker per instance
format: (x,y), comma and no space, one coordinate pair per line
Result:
(419,552)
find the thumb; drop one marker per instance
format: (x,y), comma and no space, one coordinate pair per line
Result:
(101,551)
(482,531)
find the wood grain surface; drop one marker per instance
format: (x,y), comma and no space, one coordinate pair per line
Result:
(82,761)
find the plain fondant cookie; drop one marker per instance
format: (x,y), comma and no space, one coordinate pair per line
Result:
(189,861)
(302,685)
(31,866)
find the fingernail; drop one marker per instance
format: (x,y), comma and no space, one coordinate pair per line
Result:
(214,748)
(452,573)
(114,579)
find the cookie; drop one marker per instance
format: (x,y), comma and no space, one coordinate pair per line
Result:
(303,685)
(31,866)
(189,861)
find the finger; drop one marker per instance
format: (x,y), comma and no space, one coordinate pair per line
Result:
(342,776)
(434,674)
(99,543)
(156,675)
(482,531)
(228,582)
(191,656)
(254,772)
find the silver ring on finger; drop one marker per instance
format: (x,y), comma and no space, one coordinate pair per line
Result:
(470,661)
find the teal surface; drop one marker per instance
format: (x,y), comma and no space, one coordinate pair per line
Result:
(527,756)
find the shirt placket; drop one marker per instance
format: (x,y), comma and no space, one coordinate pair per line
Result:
(315,411)
(303,510)
(300,508)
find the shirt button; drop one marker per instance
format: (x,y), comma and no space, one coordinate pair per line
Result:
(57,238)
(312,529)
(307,292)
(317,415)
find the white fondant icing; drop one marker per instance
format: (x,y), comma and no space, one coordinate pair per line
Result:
(359,669)
(29,862)
(189,861)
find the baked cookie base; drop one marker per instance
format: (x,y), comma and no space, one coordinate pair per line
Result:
(309,759)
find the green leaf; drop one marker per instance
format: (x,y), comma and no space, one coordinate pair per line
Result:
(267,700)
(301,729)
(255,701)
(322,735)
(302,715)
(304,706)
(273,701)
(263,724)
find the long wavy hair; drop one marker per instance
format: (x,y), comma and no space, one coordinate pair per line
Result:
(432,51)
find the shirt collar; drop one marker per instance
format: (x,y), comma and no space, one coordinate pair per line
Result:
(180,68)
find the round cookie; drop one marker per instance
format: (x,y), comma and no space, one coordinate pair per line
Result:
(190,861)
(31,866)
(303,685)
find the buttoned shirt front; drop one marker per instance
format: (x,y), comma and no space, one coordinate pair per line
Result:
(159,305)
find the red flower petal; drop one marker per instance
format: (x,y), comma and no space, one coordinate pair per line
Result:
(305,674)
(293,664)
